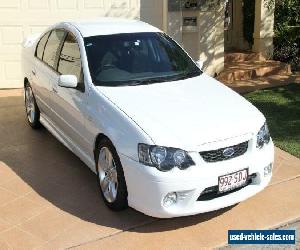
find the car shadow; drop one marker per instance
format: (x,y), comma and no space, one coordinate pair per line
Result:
(63,180)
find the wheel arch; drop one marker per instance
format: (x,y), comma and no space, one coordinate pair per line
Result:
(98,138)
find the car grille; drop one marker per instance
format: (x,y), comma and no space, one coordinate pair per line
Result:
(218,155)
(211,193)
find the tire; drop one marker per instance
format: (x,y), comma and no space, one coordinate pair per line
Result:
(110,176)
(31,108)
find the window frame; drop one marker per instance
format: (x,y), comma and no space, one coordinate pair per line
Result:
(81,83)
(36,49)
(42,60)
(58,49)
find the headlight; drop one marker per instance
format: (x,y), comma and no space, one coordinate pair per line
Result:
(164,158)
(263,136)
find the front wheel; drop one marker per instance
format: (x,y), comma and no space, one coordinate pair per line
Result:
(32,110)
(110,175)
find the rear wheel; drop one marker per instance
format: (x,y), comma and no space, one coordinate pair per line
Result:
(32,110)
(110,175)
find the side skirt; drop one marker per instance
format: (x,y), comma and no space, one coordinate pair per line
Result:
(66,141)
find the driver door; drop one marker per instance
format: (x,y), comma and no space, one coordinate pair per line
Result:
(69,104)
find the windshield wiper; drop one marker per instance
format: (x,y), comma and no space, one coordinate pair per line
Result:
(164,78)
(188,75)
(148,81)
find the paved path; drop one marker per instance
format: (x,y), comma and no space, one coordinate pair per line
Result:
(246,86)
(49,199)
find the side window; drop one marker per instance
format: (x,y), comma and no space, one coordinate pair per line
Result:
(69,60)
(41,46)
(52,46)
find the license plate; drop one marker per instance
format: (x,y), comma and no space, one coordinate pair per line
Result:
(232,181)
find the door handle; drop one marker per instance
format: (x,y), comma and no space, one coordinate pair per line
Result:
(33,72)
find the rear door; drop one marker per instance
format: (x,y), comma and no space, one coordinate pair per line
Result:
(50,60)
(45,68)
(40,85)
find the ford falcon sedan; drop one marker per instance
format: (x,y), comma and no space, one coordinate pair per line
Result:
(161,136)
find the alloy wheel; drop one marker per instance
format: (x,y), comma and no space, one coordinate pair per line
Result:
(29,104)
(108,175)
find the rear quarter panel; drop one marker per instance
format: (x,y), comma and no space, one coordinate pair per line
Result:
(27,55)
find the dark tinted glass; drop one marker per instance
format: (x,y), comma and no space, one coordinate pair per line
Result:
(41,46)
(52,46)
(137,58)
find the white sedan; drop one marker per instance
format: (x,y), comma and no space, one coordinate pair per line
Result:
(162,136)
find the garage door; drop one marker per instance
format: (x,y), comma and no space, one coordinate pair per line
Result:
(20,18)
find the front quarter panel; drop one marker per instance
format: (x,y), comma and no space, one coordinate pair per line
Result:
(104,117)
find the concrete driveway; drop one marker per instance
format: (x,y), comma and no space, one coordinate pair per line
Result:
(49,199)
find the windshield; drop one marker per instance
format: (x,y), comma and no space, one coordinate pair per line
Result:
(136,59)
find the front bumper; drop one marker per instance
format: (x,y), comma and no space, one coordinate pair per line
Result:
(148,186)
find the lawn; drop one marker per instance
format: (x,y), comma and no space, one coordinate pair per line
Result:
(281,106)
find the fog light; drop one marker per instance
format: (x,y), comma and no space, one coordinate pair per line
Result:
(170,199)
(268,170)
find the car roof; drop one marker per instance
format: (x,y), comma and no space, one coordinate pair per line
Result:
(109,26)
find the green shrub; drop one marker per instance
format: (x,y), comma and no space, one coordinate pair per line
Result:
(286,31)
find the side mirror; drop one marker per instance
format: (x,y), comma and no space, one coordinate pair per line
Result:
(199,64)
(68,81)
